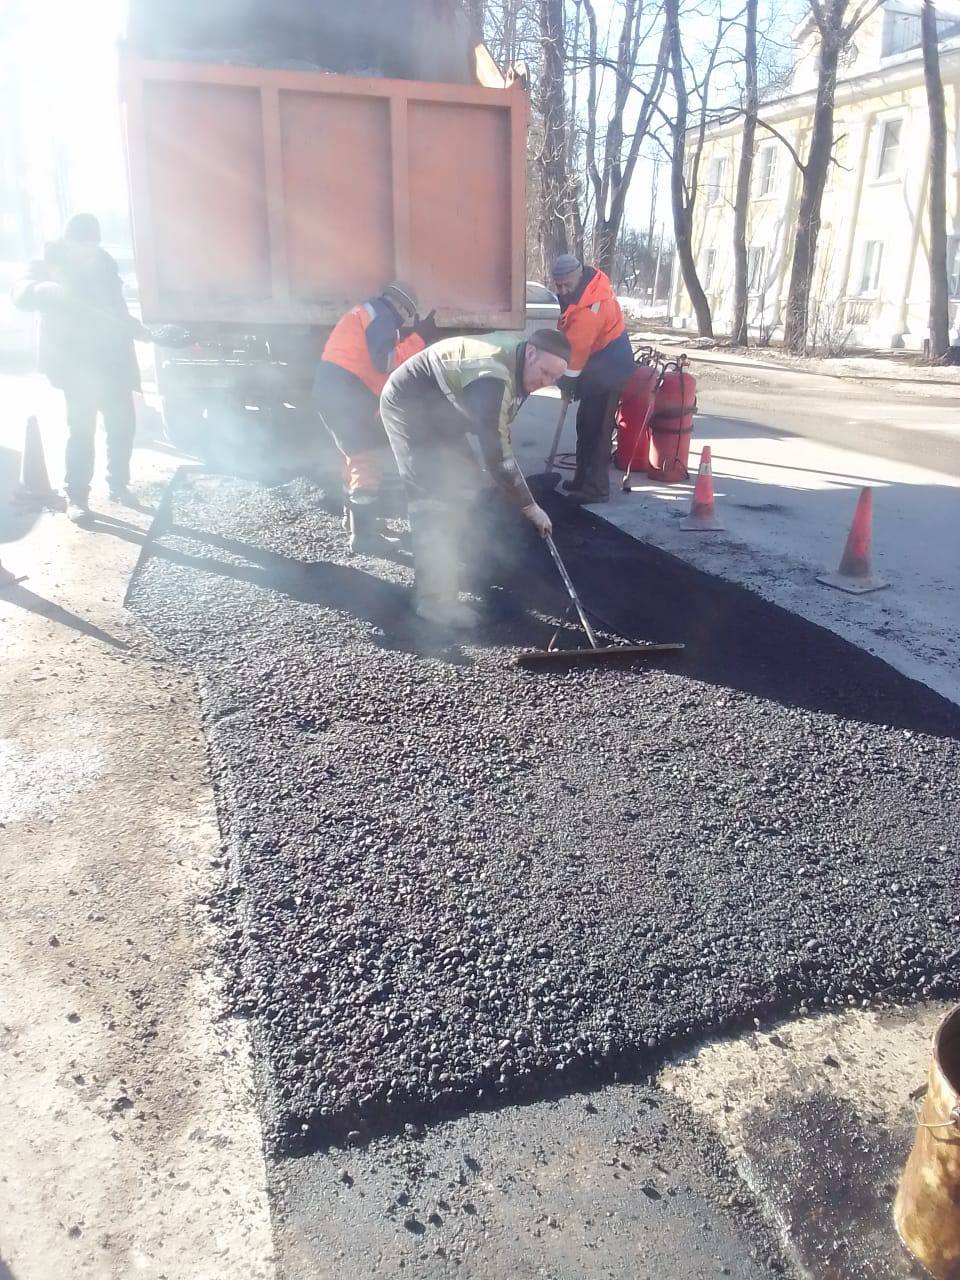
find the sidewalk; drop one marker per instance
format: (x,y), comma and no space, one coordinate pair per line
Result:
(891,369)
(130,1140)
(787,504)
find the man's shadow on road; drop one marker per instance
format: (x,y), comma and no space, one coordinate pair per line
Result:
(734,639)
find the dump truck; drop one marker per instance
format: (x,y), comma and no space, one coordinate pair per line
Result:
(286,159)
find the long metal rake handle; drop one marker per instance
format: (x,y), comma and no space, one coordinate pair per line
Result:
(557,434)
(572,592)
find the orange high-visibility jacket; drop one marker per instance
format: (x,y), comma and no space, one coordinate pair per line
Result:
(366,342)
(593,323)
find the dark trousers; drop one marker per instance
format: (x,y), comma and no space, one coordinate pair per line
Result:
(596,418)
(85,401)
(348,410)
(429,441)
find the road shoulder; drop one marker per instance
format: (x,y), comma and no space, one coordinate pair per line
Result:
(130,1138)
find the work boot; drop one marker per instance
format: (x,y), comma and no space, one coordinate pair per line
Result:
(571,484)
(365,537)
(77,511)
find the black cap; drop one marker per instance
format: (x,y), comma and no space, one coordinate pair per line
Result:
(553,342)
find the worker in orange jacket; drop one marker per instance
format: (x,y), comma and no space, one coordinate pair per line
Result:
(600,366)
(362,351)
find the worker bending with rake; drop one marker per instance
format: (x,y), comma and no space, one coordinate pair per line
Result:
(601,364)
(462,387)
(360,354)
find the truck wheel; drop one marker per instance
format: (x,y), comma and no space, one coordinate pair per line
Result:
(183,424)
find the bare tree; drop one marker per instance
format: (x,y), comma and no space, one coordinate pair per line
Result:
(611,156)
(554,183)
(939,299)
(686,154)
(744,175)
(511,31)
(835,29)
(636,262)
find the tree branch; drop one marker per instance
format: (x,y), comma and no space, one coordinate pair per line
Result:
(789,145)
(592,171)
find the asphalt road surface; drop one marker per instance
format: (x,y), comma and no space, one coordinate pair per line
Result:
(896,420)
(454,883)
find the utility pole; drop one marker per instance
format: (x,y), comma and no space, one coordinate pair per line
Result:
(654,188)
(656,274)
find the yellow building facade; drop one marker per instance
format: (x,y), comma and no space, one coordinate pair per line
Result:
(871,279)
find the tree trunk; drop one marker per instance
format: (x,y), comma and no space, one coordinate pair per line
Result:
(739,333)
(939,299)
(605,248)
(681,200)
(811,195)
(571,212)
(552,160)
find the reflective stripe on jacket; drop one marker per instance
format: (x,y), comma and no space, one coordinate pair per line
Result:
(366,342)
(593,322)
(459,366)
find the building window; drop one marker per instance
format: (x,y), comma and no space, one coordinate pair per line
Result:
(718,172)
(953,265)
(756,275)
(870,271)
(709,267)
(901,31)
(888,147)
(766,170)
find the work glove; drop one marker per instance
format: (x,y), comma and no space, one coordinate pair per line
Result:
(539,519)
(427,328)
(49,294)
(568,387)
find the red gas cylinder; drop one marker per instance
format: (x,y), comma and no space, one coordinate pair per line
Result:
(671,424)
(633,413)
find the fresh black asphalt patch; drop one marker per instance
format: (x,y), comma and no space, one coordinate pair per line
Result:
(453,883)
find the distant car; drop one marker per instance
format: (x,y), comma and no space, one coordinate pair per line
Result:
(543,309)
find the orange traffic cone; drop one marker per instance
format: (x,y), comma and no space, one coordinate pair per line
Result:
(855,574)
(703,516)
(34,480)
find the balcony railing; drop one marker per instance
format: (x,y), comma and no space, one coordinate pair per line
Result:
(860,311)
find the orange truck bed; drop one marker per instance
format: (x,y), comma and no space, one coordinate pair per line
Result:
(269,197)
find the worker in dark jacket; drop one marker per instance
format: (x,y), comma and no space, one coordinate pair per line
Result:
(361,353)
(86,349)
(600,366)
(460,387)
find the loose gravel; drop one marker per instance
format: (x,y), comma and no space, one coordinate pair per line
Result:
(454,883)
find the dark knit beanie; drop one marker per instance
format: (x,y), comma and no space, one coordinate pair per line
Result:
(553,342)
(82,228)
